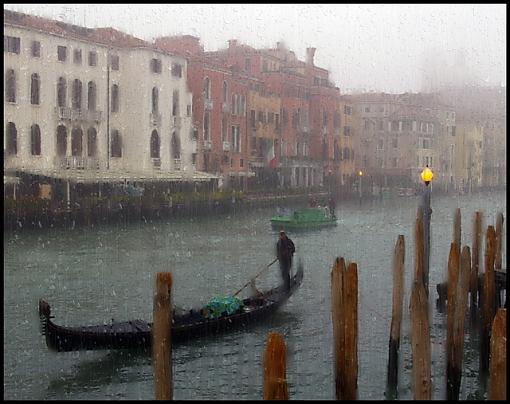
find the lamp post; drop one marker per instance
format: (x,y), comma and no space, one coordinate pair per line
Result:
(426,176)
(360,173)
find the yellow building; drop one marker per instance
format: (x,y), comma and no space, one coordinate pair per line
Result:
(467,156)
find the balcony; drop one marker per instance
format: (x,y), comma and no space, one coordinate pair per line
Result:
(207,145)
(177,121)
(208,104)
(177,164)
(156,163)
(155,118)
(66,113)
(226,146)
(76,163)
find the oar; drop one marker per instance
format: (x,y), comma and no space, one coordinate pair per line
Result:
(267,266)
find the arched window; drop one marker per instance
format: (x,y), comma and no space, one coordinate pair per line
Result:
(115,98)
(35,89)
(155,145)
(116,144)
(12,139)
(155,100)
(346,153)
(176,146)
(76,142)
(91,96)
(77,90)
(35,137)
(206,126)
(91,142)
(61,140)
(207,88)
(61,92)
(10,86)
(175,103)
(224,95)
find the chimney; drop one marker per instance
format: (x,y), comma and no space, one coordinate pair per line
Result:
(310,52)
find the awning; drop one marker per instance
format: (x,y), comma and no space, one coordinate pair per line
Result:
(111,176)
(11,179)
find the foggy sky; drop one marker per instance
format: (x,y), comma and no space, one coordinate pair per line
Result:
(372,47)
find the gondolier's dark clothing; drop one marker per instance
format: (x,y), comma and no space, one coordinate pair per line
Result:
(284,251)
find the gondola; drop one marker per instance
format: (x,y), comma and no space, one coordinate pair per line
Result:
(136,334)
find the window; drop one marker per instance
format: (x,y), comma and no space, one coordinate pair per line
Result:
(115,99)
(76,142)
(176,70)
(347,131)
(367,109)
(253,118)
(35,140)
(77,94)
(92,58)
(380,144)
(114,62)
(207,88)
(380,124)
(12,141)
(394,162)
(247,64)
(91,96)
(261,116)
(61,92)
(236,138)
(36,49)
(154,145)
(155,100)
(175,103)
(206,126)
(11,44)
(62,53)
(77,56)
(116,144)
(336,120)
(61,140)
(10,86)
(188,110)
(156,66)
(347,110)
(35,89)
(176,146)
(91,142)
(395,143)
(224,92)
(224,129)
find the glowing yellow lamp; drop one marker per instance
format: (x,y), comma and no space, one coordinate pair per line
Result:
(360,173)
(427,175)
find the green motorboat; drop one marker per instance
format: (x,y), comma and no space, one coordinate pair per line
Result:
(306,218)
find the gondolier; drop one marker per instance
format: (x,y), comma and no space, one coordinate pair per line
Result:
(285,249)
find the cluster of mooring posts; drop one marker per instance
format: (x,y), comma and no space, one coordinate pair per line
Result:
(464,278)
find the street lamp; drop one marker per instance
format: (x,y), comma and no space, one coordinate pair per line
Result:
(426,176)
(360,173)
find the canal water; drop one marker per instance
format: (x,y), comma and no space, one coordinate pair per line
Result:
(91,275)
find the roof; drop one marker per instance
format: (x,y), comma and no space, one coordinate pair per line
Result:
(111,176)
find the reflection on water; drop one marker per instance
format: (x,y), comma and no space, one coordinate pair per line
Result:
(93,275)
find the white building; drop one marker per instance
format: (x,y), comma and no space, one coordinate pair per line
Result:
(94,103)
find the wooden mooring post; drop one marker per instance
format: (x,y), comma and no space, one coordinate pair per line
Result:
(344,308)
(488,301)
(275,363)
(396,318)
(475,266)
(161,337)
(497,379)
(457,306)
(499,241)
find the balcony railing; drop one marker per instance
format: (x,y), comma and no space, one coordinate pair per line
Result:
(155,118)
(177,164)
(156,163)
(67,113)
(226,146)
(76,163)
(207,145)
(208,104)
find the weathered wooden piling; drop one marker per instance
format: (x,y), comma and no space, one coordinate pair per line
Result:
(420,342)
(457,307)
(161,337)
(419,249)
(457,228)
(275,368)
(396,317)
(475,265)
(499,241)
(488,301)
(344,308)
(497,380)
